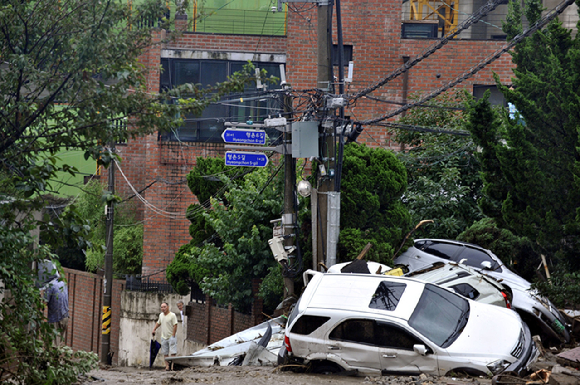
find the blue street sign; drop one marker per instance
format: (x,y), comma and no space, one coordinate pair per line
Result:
(247,159)
(236,135)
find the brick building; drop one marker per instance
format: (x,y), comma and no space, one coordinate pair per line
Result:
(378,37)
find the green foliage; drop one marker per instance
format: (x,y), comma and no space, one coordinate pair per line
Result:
(128,249)
(515,252)
(27,354)
(444,181)
(70,71)
(272,289)
(373,181)
(127,235)
(530,161)
(237,250)
(563,289)
(204,180)
(183,271)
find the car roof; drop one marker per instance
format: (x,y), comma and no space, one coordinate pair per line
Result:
(450,241)
(353,292)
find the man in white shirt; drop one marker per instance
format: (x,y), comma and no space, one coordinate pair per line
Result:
(168,323)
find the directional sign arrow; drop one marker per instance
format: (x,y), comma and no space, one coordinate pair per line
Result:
(247,159)
(236,135)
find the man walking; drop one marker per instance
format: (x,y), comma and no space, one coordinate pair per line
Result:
(168,323)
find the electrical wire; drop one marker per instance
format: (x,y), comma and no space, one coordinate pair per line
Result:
(410,127)
(481,65)
(483,11)
(168,214)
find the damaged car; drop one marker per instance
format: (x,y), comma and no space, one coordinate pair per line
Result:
(465,281)
(543,318)
(382,325)
(457,277)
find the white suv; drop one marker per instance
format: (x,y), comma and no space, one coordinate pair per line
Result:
(380,325)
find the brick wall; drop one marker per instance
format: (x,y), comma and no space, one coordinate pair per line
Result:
(208,323)
(85,291)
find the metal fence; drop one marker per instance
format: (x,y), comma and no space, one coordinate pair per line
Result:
(196,294)
(434,25)
(138,283)
(240,21)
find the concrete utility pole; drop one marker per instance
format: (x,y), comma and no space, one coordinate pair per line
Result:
(106,354)
(327,137)
(289,216)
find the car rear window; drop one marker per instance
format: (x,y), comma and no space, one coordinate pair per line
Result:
(466,290)
(387,295)
(308,323)
(475,257)
(441,250)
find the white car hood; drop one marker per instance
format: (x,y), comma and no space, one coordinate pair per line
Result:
(483,331)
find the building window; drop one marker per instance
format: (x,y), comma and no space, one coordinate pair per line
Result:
(347,54)
(251,105)
(496,98)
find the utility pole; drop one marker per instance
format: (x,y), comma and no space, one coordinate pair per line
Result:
(106,354)
(289,216)
(327,136)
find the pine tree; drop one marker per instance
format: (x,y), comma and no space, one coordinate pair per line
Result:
(530,158)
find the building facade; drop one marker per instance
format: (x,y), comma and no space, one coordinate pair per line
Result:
(379,37)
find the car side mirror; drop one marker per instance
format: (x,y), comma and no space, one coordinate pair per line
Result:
(420,349)
(486,265)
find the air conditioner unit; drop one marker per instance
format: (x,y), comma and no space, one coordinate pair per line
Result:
(419,29)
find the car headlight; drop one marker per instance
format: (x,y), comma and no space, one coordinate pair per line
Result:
(498,366)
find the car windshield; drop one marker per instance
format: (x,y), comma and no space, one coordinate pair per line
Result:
(440,315)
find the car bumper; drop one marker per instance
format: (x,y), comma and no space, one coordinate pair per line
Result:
(283,358)
(529,355)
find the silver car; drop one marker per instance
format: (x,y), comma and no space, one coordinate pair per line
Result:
(465,281)
(373,324)
(537,311)
(459,278)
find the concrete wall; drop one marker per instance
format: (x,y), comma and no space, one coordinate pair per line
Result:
(139,312)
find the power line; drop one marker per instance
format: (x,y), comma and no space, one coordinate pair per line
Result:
(490,59)
(483,11)
(410,127)
(147,204)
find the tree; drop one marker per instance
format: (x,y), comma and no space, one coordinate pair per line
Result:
(128,234)
(238,251)
(233,247)
(515,252)
(530,158)
(443,173)
(70,71)
(373,181)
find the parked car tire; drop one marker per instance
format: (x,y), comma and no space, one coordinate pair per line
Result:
(466,371)
(325,368)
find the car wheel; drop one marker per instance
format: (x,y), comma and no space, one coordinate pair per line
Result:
(326,368)
(458,372)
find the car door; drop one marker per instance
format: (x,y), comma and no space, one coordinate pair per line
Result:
(397,352)
(353,341)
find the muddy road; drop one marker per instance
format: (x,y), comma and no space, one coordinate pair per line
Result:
(254,375)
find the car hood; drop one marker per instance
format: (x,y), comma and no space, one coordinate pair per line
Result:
(491,331)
